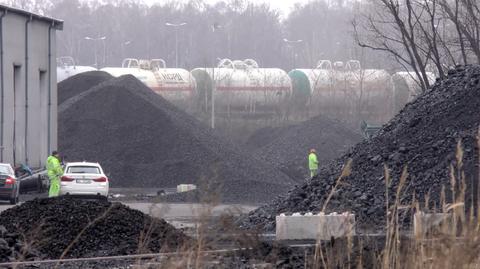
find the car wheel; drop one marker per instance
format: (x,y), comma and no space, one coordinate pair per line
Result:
(14,201)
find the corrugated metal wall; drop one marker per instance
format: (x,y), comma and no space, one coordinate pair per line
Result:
(29,105)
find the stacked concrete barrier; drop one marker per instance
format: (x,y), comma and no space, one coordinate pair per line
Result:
(428,223)
(314,226)
(186,187)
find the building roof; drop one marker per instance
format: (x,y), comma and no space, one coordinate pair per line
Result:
(56,23)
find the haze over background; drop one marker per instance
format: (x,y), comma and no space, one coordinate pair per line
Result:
(284,6)
(285,34)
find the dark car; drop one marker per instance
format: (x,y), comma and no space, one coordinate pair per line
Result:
(9,185)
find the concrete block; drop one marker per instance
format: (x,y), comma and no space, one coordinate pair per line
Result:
(425,223)
(186,187)
(316,227)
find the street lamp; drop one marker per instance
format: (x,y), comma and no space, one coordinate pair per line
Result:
(215,27)
(122,45)
(95,48)
(292,44)
(176,26)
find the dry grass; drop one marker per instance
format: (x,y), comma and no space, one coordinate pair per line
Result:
(451,242)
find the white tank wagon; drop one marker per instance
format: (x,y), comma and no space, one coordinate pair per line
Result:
(407,87)
(132,67)
(373,92)
(344,91)
(241,86)
(174,84)
(66,68)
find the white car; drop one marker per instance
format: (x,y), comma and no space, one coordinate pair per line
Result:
(83,178)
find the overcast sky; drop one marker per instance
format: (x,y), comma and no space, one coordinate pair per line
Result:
(284,6)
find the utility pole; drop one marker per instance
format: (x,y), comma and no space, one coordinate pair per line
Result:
(95,47)
(122,45)
(215,27)
(291,44)
(176,26)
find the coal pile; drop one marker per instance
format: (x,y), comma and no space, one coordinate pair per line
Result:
(287,147)
(102,228)
(79,83)
(14,248)
(142,140)
(337,253)
(422,137)
(265,136)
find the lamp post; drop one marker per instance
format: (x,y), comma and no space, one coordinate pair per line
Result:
(95,47)
(176,26)
(123,44)
(215,27)
(291,44)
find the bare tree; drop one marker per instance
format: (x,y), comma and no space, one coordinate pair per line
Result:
(420,34)
(393,27)
(465,15)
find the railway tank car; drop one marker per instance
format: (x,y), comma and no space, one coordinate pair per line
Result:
(407,87)
(66,68)
(344,91)
(240,87)
(174,84)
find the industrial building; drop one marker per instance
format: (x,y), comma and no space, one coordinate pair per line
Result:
(28,89)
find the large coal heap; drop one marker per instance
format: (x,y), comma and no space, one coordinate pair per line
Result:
(104,228)
(422,137)
(13,247)
(144,141)
(288,146)
(79,83)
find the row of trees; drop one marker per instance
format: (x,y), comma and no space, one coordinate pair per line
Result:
(416,35)
(235,29)
(422,35)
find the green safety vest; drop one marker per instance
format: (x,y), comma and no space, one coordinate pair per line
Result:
(54,168)
(312,161)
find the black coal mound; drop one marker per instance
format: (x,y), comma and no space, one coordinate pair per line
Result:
(287,147)
(422,137)
(102,228)
(144,141)
(79,83)
(14,248)
(264,136)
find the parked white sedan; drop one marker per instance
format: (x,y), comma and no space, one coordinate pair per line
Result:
(83,178)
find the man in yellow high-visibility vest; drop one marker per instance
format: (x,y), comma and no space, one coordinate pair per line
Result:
(313,163)
(54,171)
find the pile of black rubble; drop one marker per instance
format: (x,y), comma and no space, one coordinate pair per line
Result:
(14,248)
(142,140)
(287,147)
(423,138)
(79,83)
(83,228)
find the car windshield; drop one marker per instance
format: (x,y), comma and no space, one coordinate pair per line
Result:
(83,170)
(5,170)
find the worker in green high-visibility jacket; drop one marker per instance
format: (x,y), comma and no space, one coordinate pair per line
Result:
(54,171)
(313,163)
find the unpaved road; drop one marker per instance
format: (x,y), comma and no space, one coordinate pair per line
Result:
(179,215)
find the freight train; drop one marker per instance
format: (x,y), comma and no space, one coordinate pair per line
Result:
(66,68)
(241,88)
(174,84)
(345,91)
